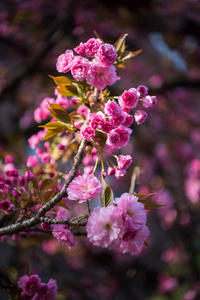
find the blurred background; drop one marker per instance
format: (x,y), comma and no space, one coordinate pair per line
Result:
(165,148)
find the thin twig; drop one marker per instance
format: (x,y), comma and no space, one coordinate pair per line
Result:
(134,177)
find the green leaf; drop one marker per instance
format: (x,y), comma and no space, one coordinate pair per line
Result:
(68,90)
(62,204)
(101,138)
(129,54)
(61,80)
(12,274)
(50,134)
(107,194)
(59,113)
(53,125)
(98,37)
(76,116)
(149,204)
(120,44)
(48,195)
(47,184)
(146,244)
(141,196)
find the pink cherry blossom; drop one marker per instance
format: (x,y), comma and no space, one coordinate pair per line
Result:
(100,75)
(134,237)
(32,161)
(92,46)
(63,64)
(84,187)
(124,161)
(149,101)
(140,116)
(80,49)
(112,109)
(132,208)
(143,91)
(64,236)
(105,227)
(107,54)
(128,121)
(87,132)
(129,99)
(79,68)
(118,137)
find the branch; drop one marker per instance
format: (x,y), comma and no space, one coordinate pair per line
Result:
(17,227)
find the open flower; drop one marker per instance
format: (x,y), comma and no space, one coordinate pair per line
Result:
(84,187)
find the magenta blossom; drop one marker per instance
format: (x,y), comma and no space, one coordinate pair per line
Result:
(84,187)
(124,161)
(107,54)
(87,132)
(112,109)
(119,137)
(143,91)
(129,99)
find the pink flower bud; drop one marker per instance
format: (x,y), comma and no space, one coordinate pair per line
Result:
(140,116)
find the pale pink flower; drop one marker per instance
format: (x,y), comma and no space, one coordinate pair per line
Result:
(64,236)
(105,227)
(149,101)
(62,233)
(38,115)
(107,54)
(119,173)
(32,161)
(100,75)
(79,68)
(129,99)
(82,109)
(33,141)
(63,64)
(92,46)
(84,187)
(143,91)
(45,158)
(140,116)
(132,208)
(134,237)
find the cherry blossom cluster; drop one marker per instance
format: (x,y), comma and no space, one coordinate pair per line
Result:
(121,226)
(96,128)
(34,289)
(99,71)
